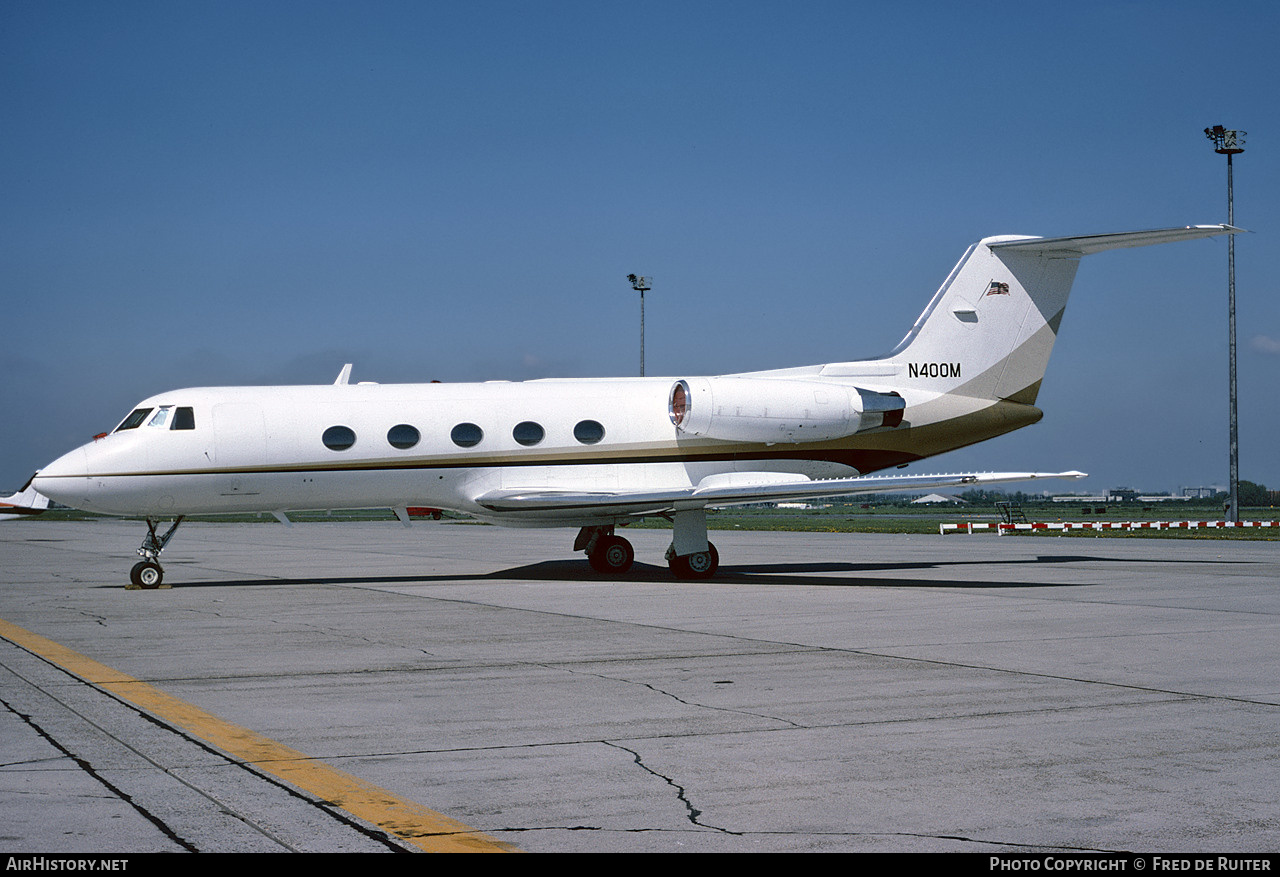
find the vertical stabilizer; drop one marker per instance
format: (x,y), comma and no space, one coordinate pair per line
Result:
(990,329)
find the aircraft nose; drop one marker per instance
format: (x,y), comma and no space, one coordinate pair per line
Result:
(60,479)
(75,463)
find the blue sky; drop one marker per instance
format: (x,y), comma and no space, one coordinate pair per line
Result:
(198,194)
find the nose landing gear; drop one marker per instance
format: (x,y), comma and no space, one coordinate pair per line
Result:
(147,574)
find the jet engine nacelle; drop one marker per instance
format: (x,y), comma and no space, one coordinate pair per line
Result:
(778,410)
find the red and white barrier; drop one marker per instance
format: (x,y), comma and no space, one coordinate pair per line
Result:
(1002,528)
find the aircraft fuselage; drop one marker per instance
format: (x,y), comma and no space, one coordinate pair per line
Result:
(265,449)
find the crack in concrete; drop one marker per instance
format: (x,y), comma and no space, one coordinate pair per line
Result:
(326,807)
(1011,845)
(693,812)
(88,768)
(677,698)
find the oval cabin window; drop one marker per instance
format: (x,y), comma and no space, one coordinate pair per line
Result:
(403,436)
(466,435)
(338,438)
(588,432)
(528,433)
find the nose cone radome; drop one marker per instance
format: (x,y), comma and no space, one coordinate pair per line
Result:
(63,480)
(75,463)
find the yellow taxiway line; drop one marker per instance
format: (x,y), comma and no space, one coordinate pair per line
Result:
(411,822)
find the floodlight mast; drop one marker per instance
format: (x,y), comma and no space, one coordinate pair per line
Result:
(640,285)
(1230,143)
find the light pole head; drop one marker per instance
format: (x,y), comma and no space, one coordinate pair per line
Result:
(1225,142)
(639,284)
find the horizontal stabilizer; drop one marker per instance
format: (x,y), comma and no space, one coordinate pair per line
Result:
(1096,243)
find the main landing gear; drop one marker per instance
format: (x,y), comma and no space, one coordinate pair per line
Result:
(690,556)
(147,574)
(699,565)
(608,554)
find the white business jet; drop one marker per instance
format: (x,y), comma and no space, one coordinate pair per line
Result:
(599,454)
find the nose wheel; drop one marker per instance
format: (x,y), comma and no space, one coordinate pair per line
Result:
(147,574)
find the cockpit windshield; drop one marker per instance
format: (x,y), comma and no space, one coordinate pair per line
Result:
(165,417)
(134,420)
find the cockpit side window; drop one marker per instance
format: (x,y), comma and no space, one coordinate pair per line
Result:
(160,419)
(184,418)
(134,420)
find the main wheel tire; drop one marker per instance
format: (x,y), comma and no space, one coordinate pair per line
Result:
(146,575)
(613,555)
(701,565)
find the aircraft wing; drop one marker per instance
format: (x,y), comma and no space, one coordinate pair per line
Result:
(737,488)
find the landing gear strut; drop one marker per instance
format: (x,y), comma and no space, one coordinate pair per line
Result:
(147,574)
(691,556)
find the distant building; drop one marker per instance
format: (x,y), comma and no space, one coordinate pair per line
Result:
(937,498)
